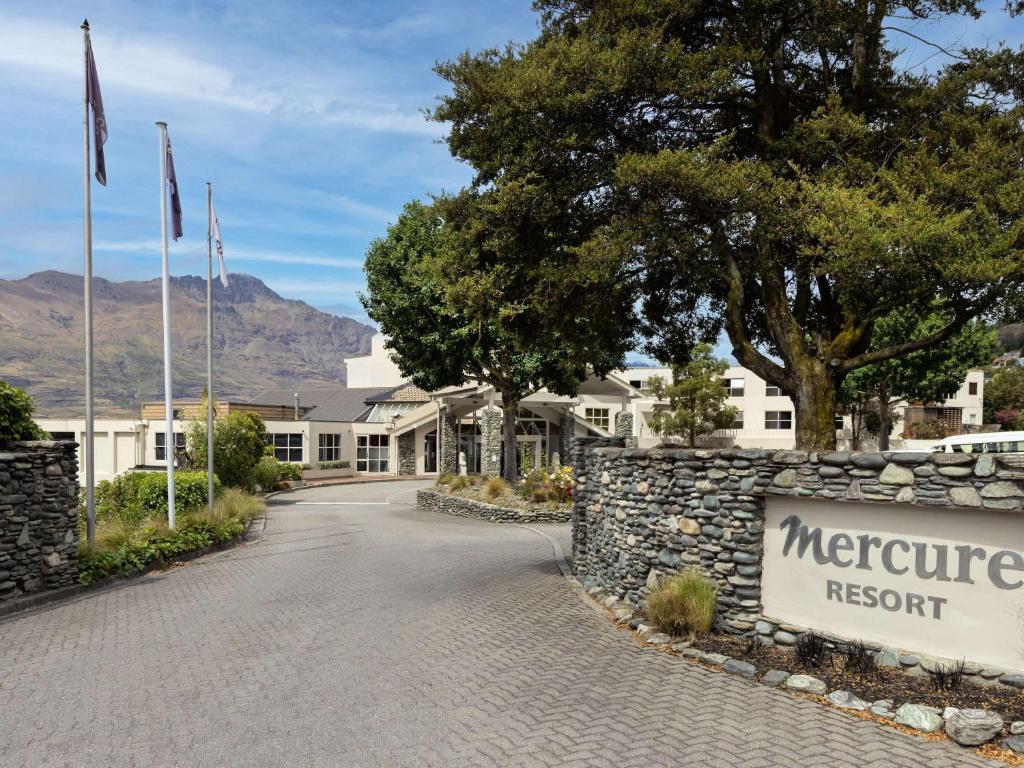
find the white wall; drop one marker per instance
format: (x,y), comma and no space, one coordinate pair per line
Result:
(375,369)
(118,443)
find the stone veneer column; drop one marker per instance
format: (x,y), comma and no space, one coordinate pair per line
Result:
(407,453)
(624,428)
(448,450)
(582,492)
(566,433)
(490,442)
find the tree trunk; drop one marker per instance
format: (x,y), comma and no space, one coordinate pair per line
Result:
(884,421)
(815,402)
(509,408)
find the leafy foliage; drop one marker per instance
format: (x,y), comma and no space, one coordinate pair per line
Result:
(1004,392)
(687,603)
(239,442)
(266,474)
(134,496)
(16,415)
(772,170)
(696,397)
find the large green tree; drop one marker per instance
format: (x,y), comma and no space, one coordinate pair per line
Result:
(437,289)
(1004,397)
(930,374)
(695,396)
(771,168)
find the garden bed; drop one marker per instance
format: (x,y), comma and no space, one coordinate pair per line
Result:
(469,502)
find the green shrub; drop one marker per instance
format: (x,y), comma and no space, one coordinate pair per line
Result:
(291,471)
(333,465)
(495,488)
(267,473)
(445,478)
(190,489)
(16,415)
(239,442)
(684,603)
(459,482)
(532,485)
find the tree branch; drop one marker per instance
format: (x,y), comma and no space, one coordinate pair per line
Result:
(743,349)
(896,350)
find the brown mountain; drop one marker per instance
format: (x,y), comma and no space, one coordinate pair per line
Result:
(260,341)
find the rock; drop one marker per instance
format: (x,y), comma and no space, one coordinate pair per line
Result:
(785,479)
(905,495)
(611,602)
(948,712)
(622,615)
(1017,727)
(763,628)
(847,700)
(965,496)
(774,676)
(956,471)
(681,646)
(670,558)
(659,638)
(636,622)
(1014,681)
(868,460)
(1002,489)
(971,727)
(54,470)
(713,658)
(737,667)
(689,527)
(909,660)
(1013,743)
(883,708)
(646,629)
(806,683)
(785,638)
(894,474)
(23,538)
(888,658)
(653,579)
(836,458)
(990,673)
(919,718)
(985,466)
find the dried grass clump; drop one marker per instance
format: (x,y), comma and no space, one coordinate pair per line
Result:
(684,604)
(495,488)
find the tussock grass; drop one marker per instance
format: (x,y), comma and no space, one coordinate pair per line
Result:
(682,604)
(495,488)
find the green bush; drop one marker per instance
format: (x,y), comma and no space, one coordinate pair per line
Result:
(190,489)
(684,603)
(333,465)
(291,471)
(16,415)
(239,442)
(267,473)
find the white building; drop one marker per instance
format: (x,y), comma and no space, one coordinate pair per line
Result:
(383,425)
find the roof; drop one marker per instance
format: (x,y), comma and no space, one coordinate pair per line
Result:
(403,393)
(325,404)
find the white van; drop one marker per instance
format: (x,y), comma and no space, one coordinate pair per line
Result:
(983,442)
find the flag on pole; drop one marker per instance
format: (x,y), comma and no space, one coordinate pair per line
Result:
(172,182)
(215,231)
(99,120)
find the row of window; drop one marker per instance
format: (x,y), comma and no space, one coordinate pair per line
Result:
(772,420)
(287,446)
(372,453)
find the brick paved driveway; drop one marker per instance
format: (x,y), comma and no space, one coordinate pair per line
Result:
(364,633)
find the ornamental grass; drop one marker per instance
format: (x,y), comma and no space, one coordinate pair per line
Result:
(684,604)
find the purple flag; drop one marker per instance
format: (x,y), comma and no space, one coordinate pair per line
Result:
(172,182)
(99,121)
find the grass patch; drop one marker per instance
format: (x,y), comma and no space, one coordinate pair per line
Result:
(123,547)
(495,488)
(684,604)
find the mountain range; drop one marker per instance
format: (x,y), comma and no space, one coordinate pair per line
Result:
(261,341)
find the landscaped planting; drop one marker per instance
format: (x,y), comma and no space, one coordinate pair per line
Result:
(132,532)
(541,497)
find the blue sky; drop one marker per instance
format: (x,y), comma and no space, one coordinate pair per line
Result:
(306,116)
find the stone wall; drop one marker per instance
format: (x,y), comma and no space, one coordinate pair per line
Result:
(624,428)
(438,501)
(38,517)
(448,447)
(490,442)
(642,513)
(407,453)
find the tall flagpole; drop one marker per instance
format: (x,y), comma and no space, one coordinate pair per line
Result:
(90,442)
(169,445)
(209,346)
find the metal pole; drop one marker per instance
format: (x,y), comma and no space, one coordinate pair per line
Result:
(90,442)
(169,446)
(209,346)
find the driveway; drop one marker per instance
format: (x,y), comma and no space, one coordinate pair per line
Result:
(357,631)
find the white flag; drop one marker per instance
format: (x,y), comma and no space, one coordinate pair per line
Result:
(220,247)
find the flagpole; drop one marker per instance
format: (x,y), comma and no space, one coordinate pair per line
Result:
(209,346)
(169,445)
(90,442)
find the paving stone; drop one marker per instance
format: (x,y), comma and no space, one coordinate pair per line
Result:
(1013,743)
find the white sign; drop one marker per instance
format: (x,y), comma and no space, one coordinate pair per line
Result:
(949,582)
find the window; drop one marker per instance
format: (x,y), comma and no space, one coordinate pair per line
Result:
(837,419)
(734,386)
(372,453)
(972,388)
(597,416)
(383,412)
(778,420)
(771,391)
(160,440)
(737,420)
(330,448)
(287,446)
(636,383)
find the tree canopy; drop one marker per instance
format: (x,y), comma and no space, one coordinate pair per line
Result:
(773,169)
(696,398)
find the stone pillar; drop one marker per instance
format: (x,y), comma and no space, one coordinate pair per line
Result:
(624,428)
(490,442)
(566,433)
(448,448)
(407,453)
(582,446)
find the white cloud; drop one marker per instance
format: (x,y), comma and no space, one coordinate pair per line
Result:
(159,67)
(231,255)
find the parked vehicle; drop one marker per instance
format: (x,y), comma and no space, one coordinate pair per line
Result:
(985,442)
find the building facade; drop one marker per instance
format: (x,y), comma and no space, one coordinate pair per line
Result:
(382,424)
